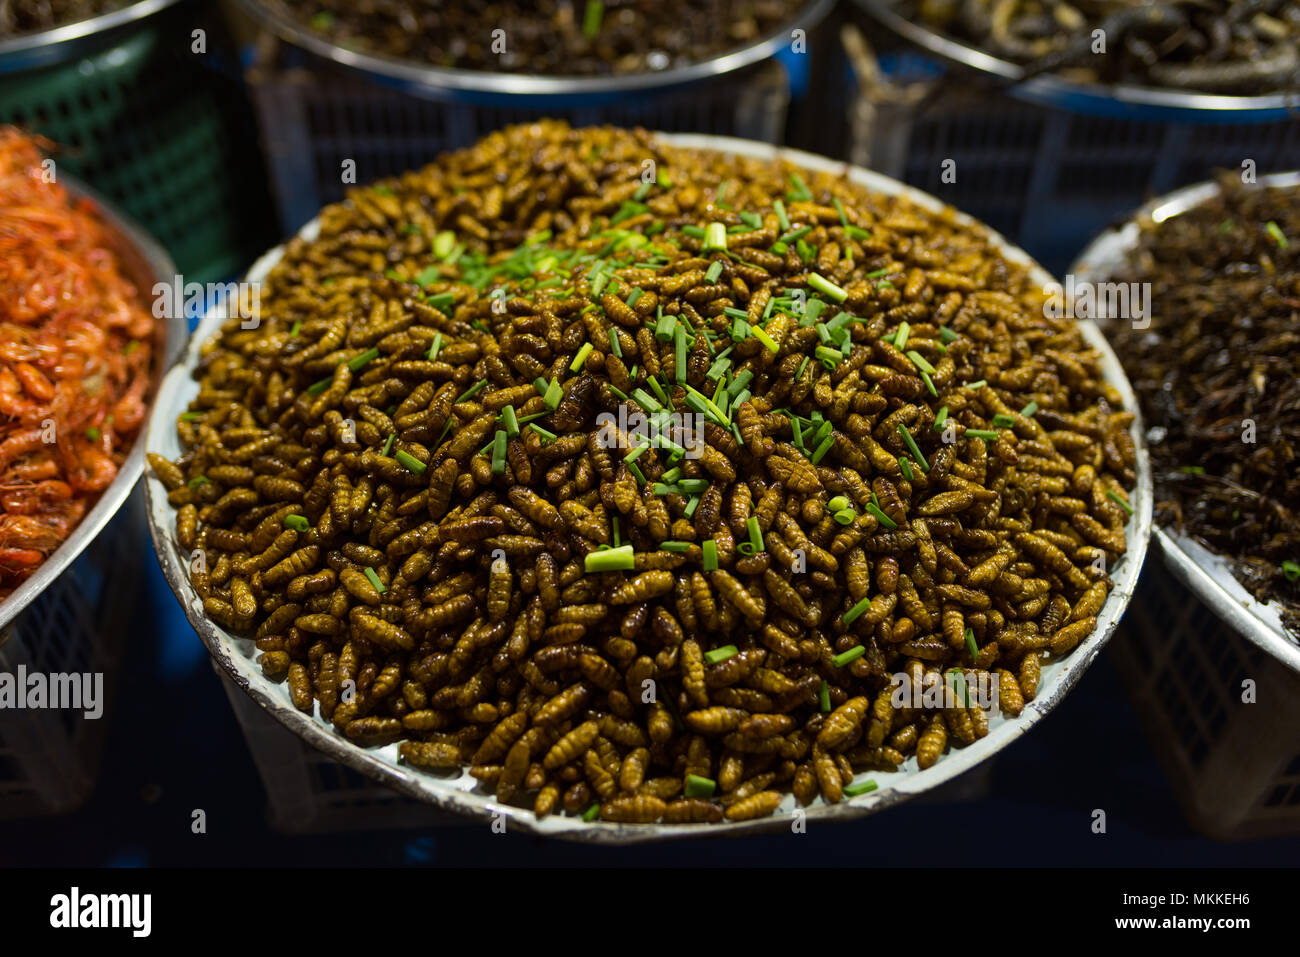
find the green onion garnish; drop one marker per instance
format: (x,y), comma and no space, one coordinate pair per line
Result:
(1029,410)
(710,555)
(388,444)
(592,812)
(591,18)
(1110,493)
(698,787)
(360,361)
(316,388)
(499,452)
(374,580)
(782,219)
(618,559)
(298,523)
(981,434)
(1003,421)
(1291,570)
(1276,232)
(675,546)
(905,464)
(411,462)
(911,444)
(755,533)
(860,787)
(826,287)
(715,238)
(581,357)
(970,643)
(875,510)
(554,393)
(472,390)
(714,271)
(824,697)
(547,436)
(853,654)
(720,654)
(839,502)
(845,516)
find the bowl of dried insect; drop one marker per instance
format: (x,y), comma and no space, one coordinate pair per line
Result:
(81,354)
(1215,367)
(623,486)
(1160,58)
(564,52)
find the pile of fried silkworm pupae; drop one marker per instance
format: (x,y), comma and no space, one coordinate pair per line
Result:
(637,479)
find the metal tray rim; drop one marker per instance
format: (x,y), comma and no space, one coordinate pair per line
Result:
(61,43)
(134,240)
(438,82)
(1052,90)
(1183,555)
(1059,676)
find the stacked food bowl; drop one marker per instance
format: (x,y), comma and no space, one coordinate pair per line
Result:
(1041,129)
(1216,675)
(344,87)
(72,540)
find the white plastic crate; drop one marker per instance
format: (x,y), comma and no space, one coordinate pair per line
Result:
(49,758)
(1234,766)
(314,115)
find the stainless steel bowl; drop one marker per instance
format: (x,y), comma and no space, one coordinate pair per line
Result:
(1208,575)
(30,50)
(1121,100)
(483,86)
(457,791)
(145,263)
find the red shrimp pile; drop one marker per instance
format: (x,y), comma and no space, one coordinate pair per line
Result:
(76,350)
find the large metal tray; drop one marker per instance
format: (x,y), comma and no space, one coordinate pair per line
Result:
(145,263)
(237,656)
(485,87)
(30,50)
(1208,575)
(1137,102)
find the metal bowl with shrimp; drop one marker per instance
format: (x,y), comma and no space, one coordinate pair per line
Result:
(143,263)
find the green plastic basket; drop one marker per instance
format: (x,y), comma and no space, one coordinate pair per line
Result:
(164,132)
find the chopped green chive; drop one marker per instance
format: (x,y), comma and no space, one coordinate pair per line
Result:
(715,238)
(911,444)
(800,193)
(1192,469)
(388,445)
(920,361)
(721,654)
(1276,232)
(298,523)
(547,436)
(1003,421)
(755,533)
(592,812)
(941,418)
(824,697)
(860,787)
(581,357)
(374,580)
(878,513)
(510,420)
(618,559)
(316,388)
(839,208)
(435,347)
(554,393)
(1111,493)
(946,334)
(823,449)
(979,384)
(980,434)
(764,338)
(826,287)
(713,272)
(845,516)
(854,613)
(675,546)
(633,296)
(197,481)
(472,390)
(360,361)
(411,462)
(1029,410)
(499,452)
(614,346)
(1291,570)
(905,464)
(592,16)
(853,654)
(839,502)
(710,555)
(970,643)
(295,329)
(782,219)
(698,787)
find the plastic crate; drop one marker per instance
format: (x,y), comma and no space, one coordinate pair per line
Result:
(1235,767)
(308,792)
(1046,178)
(315,115)
(49,758)
(165,133)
